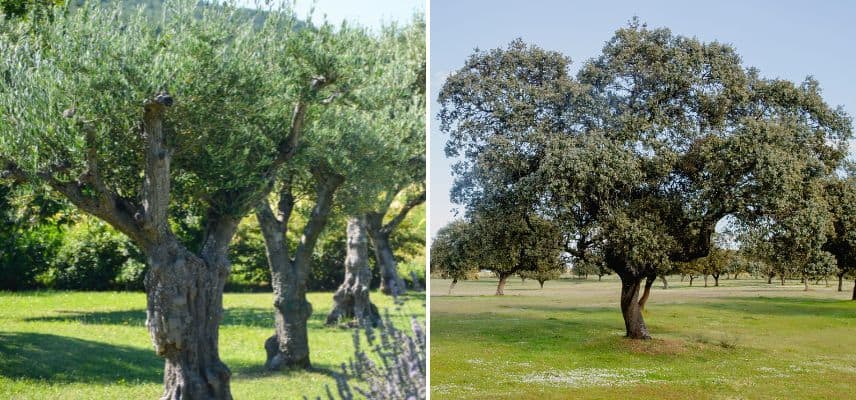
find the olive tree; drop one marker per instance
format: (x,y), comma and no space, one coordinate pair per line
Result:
(125,116)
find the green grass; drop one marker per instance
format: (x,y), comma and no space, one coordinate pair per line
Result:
(87,345)
(742,340)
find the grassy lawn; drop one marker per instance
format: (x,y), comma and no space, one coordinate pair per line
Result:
(742,340)
(85,345)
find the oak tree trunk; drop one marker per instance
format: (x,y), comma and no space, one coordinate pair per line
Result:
(351,301)
(665,282)
(540,282)
(633,322)
(854,290)
(840,282)
(500,288)
(716,280)
(649,281)
(452,285)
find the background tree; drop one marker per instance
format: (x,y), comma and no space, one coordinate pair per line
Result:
(451,253)
(841,240)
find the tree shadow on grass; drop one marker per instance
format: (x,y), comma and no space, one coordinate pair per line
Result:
(786,306)
(65,359)
(241,316)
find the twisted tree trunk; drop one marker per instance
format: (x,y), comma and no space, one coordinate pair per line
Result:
(390,280)
(288,347)
(184,291)
(351,300)
(500,288)
(634,324)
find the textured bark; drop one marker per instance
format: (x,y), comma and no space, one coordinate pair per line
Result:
(184,310)
(288,347)
(184,291)
(649,281)
(390,280)
(634,324)
(351,301)
(500,288)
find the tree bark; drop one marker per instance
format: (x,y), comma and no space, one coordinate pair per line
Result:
(184,291)
(769,279)
(390,281)
(854,290)
(649,281)
(716,280)
(185,307)
(665,282)
(840,282)
(452,285)
(633,322)
(351,300)
(705,280)
(288,347)
(540,282)
(691,280)
(500,288)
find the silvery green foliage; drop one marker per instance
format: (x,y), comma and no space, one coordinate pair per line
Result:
(73,89)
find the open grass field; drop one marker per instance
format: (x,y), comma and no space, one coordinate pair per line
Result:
(86,345)
(742,340)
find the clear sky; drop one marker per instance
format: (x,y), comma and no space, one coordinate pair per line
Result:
(370,13)
(784,39)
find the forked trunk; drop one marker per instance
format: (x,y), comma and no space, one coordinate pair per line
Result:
(288,347)
(649,281)
(633,322)
(500,288)
(351,301)
(540,282)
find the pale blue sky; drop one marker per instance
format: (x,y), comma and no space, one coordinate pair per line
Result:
(786,39)
(369,13)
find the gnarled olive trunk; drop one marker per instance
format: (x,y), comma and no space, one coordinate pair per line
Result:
(500,288)
(634,324)
(351,300)
(390,280)
(184,310)
(288,347)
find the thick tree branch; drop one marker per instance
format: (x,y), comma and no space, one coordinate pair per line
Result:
(392,224)
(156,184)
(325,191)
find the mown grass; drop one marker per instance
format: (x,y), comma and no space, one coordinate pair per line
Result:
(87,345)
(743,340)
